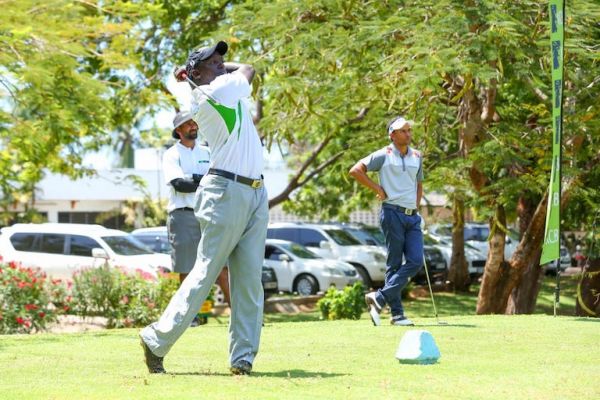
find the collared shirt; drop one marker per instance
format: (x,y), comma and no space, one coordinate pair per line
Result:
(180,161)
(398,174)
(227,125)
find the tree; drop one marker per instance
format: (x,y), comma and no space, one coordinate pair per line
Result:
(485,62)
(62,63)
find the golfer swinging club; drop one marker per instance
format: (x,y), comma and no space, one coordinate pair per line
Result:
(400,175)
(233,213)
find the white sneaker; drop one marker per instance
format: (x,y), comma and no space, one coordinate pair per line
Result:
(401,321)
(374,308)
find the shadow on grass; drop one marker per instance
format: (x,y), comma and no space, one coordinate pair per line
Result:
(289,374)
(587,319)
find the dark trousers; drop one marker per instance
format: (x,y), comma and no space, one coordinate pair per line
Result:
(403,239)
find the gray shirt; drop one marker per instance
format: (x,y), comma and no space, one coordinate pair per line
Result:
(398,174)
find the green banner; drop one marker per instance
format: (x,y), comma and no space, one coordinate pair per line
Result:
(551,249)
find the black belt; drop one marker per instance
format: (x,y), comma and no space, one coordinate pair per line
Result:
(254,183)
(184,208)
(406,211)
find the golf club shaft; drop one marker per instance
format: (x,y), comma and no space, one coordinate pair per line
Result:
(430,289)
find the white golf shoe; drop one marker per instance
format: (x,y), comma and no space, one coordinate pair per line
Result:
(401,321)
(374,308)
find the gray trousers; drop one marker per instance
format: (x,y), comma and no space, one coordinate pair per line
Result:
(184,236)
(233,218)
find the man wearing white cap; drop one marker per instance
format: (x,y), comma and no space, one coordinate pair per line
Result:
(400,189)
(233,213)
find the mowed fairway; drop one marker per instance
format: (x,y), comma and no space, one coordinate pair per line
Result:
(483,357)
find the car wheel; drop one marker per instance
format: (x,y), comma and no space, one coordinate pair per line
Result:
(306,285)
(364,276)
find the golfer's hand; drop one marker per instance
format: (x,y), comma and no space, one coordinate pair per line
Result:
(381,195)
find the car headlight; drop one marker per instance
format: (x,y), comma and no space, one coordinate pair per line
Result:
(379,257)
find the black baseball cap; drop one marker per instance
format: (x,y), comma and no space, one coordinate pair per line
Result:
(204,53)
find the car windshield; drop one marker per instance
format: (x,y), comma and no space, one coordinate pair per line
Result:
(342,238)
(299,251)
(126,245)
(376,234)
(363,236)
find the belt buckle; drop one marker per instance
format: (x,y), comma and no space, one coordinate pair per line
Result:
(408,212)
(257,183)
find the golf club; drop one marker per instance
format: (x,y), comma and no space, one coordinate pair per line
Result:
(431,293)
(181,75)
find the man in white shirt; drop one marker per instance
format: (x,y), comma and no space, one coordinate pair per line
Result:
(184,164)
(233,213)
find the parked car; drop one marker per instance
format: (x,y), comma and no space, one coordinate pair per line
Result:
(300,270)
(157,238)
(565,262)
(475,235)
(475,260)
(269,281)
(330,241)
(62,249)
(436,264)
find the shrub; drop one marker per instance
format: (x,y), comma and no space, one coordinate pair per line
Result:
(126,300)
(28,300)
(343,304)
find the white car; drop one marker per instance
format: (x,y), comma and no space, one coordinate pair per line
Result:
(476,235)
(330,241)
(475,259)
(156,238)
(61,249)
(300,270)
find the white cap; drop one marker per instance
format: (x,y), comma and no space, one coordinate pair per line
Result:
(399,123)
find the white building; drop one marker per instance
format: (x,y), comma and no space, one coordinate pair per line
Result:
(61,199)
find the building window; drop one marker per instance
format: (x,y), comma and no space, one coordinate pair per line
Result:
(112,222)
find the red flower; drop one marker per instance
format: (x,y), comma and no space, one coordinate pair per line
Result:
(12,265)
(20,321)
(22,285)
(27,324)
(66,308)
(42,314)
(30,307)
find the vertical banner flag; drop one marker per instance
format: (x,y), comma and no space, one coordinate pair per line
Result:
(551,249)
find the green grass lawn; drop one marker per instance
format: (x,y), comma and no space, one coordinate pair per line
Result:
(483,357)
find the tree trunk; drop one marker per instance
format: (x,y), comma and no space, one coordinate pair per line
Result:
(497,271)
(499,283)
(524,297)
(458,273)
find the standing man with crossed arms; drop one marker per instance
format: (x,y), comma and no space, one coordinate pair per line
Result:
(233,214)
(400,176)
(184,164)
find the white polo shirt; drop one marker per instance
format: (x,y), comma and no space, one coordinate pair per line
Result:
(227,125)
(181,162)
(398,174)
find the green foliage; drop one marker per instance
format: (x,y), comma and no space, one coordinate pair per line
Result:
(67,80)
(28,300)
(125,300)
(343,304)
